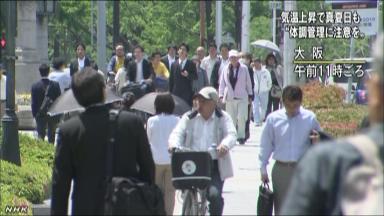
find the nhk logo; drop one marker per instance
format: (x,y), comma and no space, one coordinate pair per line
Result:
(21,209)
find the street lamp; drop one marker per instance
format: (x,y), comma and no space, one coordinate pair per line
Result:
(10,150)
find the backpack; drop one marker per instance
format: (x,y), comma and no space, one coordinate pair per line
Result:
(46,104)
(128,195)
(363,184)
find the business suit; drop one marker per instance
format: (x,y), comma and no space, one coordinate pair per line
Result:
(75,62)
(165,60)
(147,70)
(81,156)
(178,84)
(37,96)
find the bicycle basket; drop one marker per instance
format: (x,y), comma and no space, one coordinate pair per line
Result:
(191,169)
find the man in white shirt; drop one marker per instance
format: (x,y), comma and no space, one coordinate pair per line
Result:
(287,134)
(219,66)
(208,62)
(59,75)
(198,130)
(170,57)
(200,52)
(263,83)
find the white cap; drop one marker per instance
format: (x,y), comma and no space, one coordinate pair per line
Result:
(233,53)
(208,93)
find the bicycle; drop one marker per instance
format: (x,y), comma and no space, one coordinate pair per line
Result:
(191,172)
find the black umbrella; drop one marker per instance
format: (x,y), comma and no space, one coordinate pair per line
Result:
(147,104)
(67,103)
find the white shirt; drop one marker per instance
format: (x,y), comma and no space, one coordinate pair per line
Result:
(262,78)
(159,127)
(207,64)
(62,77)
(286,137)
(224,63)
(139,71)
(171,60)
(81,63)
(2,87)
(120,78)
(182,63)
(203,133)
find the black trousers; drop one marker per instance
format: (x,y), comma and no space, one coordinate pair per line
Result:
(42,123)
(273,104)
(247,133)
(215,190)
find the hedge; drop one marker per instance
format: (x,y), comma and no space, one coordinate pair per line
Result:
(335,117)
(29,183)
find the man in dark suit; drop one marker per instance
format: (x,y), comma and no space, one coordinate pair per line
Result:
(38,91)
(183,72)
(140,69)
(81,61)
(82,147)
(170,57)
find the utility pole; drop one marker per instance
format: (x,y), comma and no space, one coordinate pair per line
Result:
(116,22)
(219,22)
(245,26)
(274,23)
(351,54)
(10,150)
(101,35)
(289,47)
(202,23)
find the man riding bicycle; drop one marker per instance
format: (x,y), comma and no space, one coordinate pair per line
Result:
(201,129)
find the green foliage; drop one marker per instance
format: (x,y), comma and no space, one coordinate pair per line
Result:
(335,117)
(8,199)
(320,96)
(31,182)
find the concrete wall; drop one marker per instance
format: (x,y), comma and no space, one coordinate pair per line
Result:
(30,43)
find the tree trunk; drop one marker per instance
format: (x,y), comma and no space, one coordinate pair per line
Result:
(202,23)
(238,8)
(116,22)
(208,11)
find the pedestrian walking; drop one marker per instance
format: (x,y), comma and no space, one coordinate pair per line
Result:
(82,146)
(183,72)
(140,70)
(220,65)
(235,91)
(159,127)
(209,61)
(43,93)
(200,52)
(277,76)
(246,59)
(170,57)
(161,72)
(287,135)
(59,75)
(198,130)
(345,176)
(81,60)
(2,91)
(263,83)
(202,78)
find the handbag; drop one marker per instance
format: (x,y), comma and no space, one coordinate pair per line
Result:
(128,195)
(265,200)
(276,91)
(46,104)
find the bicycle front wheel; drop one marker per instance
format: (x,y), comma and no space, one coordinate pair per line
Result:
(189,203)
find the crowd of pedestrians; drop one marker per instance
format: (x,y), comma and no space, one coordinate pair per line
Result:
(227,91)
